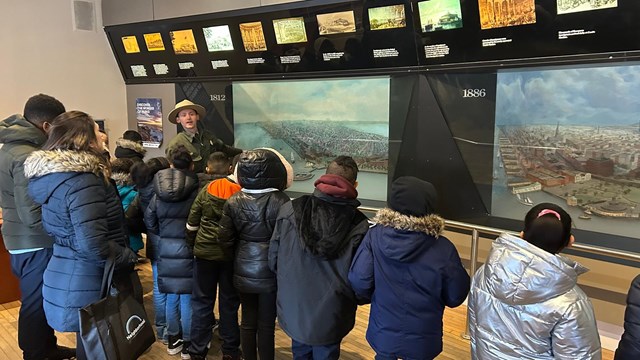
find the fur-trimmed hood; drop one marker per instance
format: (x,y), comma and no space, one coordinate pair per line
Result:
(129,149)
(406,237)
(48,169)
(432,225)
(122,179)
(44,162)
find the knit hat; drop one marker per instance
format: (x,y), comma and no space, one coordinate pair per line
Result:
(412,196)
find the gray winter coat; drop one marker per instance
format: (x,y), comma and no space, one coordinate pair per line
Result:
(22,226)
(525,304)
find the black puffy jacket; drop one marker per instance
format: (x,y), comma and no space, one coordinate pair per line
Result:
(629,346)
(249,218)
(166,218)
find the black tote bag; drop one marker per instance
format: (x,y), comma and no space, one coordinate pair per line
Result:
(115,327)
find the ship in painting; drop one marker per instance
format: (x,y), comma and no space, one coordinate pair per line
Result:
(586,215)
(524,200)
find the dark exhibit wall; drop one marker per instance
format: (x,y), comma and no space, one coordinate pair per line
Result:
(495,102)
(312,38)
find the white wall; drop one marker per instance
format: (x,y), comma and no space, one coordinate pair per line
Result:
(41,53)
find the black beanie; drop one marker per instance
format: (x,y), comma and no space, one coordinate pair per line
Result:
(412,196)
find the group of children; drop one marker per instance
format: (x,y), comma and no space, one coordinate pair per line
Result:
(310,261)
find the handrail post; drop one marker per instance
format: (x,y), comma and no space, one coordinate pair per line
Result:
(475,236)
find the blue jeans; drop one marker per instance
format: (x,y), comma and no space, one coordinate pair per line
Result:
(159,305)
(309,352)
(179,315)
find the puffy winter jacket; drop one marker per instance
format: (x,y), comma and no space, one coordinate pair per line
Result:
(81,211)
(166,217)
(249,218)
(204,220)
(315,239)
(409,272)
(525,304)
(629,346)
(127,194)
(22,225)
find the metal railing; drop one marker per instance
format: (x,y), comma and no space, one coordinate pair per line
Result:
(475,238)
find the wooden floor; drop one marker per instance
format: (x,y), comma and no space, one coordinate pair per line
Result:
(354,346)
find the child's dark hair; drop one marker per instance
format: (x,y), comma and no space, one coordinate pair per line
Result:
(142,173)
(218,163)
(548,227)
(344,166)
(122,165)
(180,158)
(132,135)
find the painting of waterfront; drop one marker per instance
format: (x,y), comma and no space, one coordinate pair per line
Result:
(572,137)
(313,121)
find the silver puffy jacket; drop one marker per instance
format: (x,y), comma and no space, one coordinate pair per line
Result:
(525,304)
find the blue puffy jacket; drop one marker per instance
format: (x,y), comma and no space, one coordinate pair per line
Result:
(409,272)
(81,211)
(166,218)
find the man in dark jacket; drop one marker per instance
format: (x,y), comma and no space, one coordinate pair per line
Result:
(314,241)
(29,245)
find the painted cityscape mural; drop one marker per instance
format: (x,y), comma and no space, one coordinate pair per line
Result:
(572,137)
(313,121)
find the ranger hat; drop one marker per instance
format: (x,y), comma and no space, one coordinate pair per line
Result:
(185,104)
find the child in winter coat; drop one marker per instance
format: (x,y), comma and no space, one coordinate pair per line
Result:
(166,217)
(129,146)
(247,223)
(524,301)
(218,167)
(142,175)
(213,266)
(410,272)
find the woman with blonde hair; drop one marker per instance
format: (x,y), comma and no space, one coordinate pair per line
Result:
(82,213)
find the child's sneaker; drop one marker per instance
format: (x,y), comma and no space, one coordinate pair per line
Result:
(185,351)
(175,345)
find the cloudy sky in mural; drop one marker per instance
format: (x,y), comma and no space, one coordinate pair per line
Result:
(365,100)
(584,96)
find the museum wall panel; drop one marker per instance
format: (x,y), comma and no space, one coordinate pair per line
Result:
(48,56)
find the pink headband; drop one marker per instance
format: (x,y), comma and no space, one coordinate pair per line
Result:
(548,211)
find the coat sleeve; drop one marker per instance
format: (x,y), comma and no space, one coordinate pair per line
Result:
(227,236)
(629,346)
(471,313)
(361,274)
(28,211)
(195,214)
(281,229)
(134,217)
(151,216)
(455,282)
(576,334)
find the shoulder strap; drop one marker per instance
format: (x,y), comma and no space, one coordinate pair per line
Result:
(107,276)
